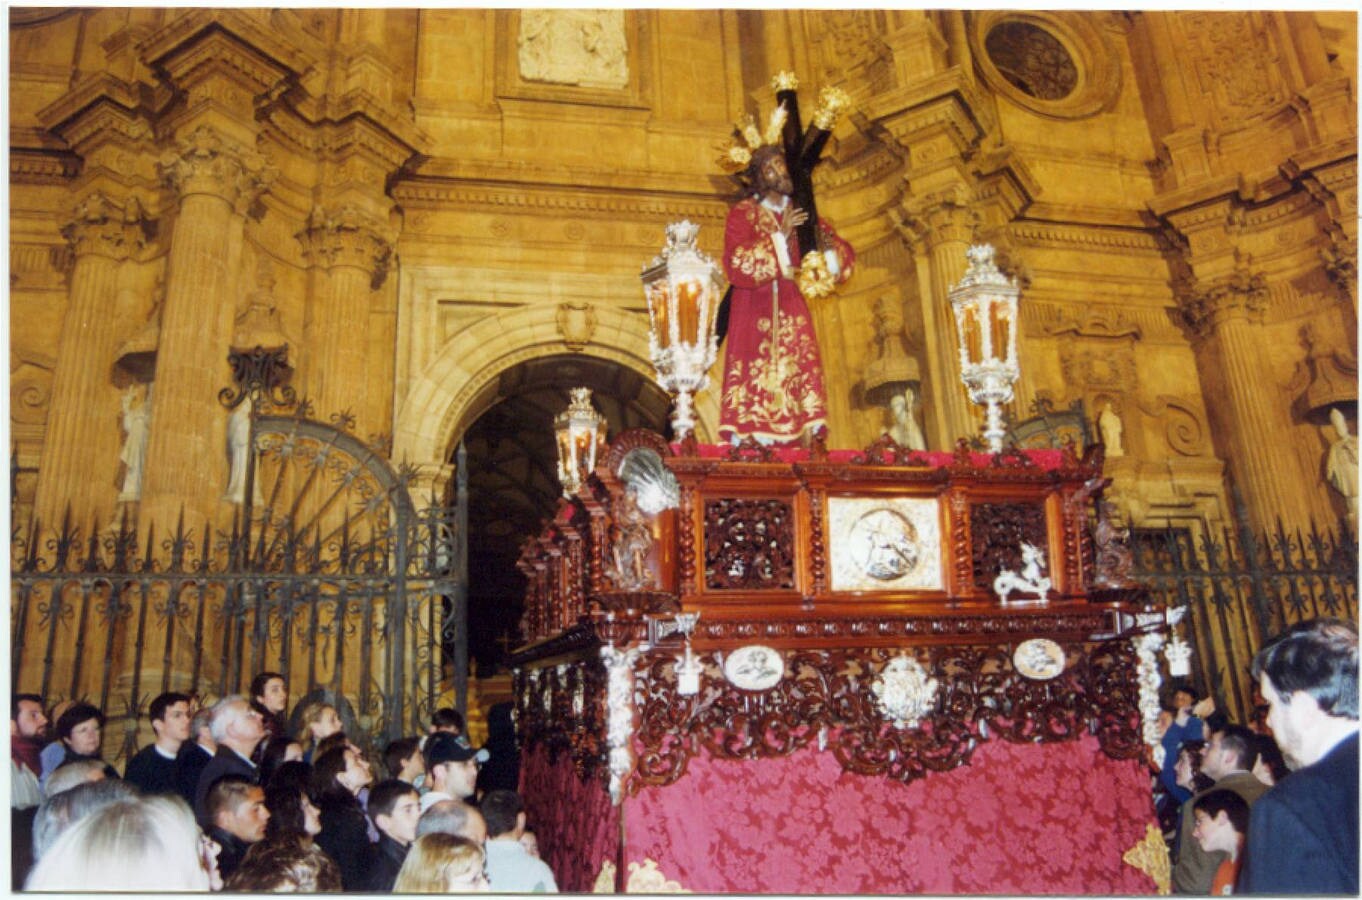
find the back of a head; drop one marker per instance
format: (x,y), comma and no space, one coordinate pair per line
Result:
(73,774)
(65,808)
(1241,742)
(435,860)
(325,788)
(291,864)
(202,721)
(445,817)
(447,718)
(1318,657)
(397,751)
(146,844)
(500,809)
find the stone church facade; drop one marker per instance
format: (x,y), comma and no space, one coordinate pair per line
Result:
(418,201)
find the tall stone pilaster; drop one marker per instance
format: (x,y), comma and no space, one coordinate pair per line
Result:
(350,251)
(942,226)
(1224,318)
(216,180)
(77,465)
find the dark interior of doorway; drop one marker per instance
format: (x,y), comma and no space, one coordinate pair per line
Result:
(513,481)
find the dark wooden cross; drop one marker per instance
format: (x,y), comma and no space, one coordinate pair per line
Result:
(803,150)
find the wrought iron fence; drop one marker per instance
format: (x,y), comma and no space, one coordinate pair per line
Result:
(1241,588)
(329,575)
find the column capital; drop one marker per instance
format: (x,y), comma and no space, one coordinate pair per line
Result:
(348,236)
(104,225)
(1204,306)
(205,161)
(939,217)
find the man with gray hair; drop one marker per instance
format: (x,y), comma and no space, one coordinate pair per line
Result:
(74,774)
(195,755)
(65,808)
(453,817)
(236,728)
(1303,833)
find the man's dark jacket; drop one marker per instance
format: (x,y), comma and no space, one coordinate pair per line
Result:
(1303,832)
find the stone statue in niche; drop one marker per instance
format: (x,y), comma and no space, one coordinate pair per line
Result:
(136,428)
(903,412)
(1110,427)
(585,47)
(1341,465)
(238,443)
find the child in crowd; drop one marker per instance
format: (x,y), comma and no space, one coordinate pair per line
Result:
(1222,819)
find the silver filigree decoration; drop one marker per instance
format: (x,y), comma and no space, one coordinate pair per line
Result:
(1147,648)
(619,667)
(905,692)
(1179,656)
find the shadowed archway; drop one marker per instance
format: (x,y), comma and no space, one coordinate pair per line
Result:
(512,476)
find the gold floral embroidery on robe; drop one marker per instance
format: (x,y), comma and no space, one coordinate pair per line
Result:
(758,261)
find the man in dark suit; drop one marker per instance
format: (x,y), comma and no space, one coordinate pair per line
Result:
(237,729)
(194,755)
(1303,834)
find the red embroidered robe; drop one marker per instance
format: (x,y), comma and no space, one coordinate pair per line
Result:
(773,375)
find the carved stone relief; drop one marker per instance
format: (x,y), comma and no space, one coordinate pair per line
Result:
(1236,62)
(584,47)
(576,323)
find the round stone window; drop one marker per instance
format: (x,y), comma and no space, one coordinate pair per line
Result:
(1031,60)
(1056,63)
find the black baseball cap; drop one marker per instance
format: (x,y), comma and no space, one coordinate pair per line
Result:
(443,747)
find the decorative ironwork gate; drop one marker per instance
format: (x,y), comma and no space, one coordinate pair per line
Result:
(328,574)
(1241,589)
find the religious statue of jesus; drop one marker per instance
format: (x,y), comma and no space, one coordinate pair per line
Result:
(773,375)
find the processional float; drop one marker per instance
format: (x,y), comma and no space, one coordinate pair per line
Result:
(711,632)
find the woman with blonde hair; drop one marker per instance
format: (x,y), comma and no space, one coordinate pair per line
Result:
(317,721)
(440,863)
(140,844)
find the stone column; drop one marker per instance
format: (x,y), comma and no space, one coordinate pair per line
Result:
(80,446)
(1224,318)
(942,226)
(350,250)
(216,179)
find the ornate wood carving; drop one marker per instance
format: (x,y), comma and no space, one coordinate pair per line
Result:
(997,531)
(826,699)
(563,708)
(817,548)
(749,543)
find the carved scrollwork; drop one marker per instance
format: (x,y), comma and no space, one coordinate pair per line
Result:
(827,699)
(749,543)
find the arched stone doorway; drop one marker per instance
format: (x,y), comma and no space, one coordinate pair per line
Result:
(512,478)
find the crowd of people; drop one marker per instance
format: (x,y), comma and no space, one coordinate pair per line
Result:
(232,797)
(1268,807)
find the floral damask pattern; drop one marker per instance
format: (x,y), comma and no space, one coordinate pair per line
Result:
(577,827)
(1020,819)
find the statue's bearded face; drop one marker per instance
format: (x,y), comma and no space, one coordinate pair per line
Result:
(773,175)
